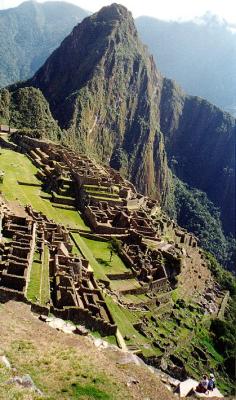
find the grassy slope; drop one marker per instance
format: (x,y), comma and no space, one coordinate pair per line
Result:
(45,287)
(33,291)
(66,366)
(17,167)
(101,252)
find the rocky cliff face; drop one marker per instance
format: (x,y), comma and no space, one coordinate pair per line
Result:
(106,93)
(103,87)
(200,142)
(186,52)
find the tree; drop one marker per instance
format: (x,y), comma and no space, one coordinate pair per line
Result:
(114,247)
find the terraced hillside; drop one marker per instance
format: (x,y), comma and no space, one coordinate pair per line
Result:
(21,184)
(158,324)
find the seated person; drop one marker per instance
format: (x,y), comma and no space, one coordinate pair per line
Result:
(203,385)
(211,382)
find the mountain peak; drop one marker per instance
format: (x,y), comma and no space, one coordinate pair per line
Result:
(114,12)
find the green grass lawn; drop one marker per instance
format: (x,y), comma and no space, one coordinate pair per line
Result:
(106,198)
(38,288)
(98,255)
(88,254)
(33,291)
(101,252)
(18,167)
(45,287)
(139,298)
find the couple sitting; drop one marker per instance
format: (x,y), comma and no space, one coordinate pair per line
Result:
(206,384)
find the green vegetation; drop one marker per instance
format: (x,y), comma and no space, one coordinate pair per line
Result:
(28,110)
(225,278)
(125,320)
(137,298)
(224,330)
(99,255)
(190,337)
(29,34)
(102,193)
(124,284)
(18,167)
(60,372)
(33,291)
(110,339)
(114,198)
(198,215)
(89,391)
(38,288)
(45,286)
(224,338)
(97,267)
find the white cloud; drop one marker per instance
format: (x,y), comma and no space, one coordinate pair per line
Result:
(163,9)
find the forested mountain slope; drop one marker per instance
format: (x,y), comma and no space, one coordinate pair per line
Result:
(29,33)
(110,100)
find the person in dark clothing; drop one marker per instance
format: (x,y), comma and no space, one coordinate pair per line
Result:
(211,382)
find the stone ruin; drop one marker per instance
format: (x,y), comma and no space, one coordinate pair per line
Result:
(112,207)
(74,293)
(16,254)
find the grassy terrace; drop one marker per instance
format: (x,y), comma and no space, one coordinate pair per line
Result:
(123,317)
(45,287)
(81,245)
(138,298)
(124,284)
(33,292)
(94,192)
(101,251)
(98,254)
(95,187)
(61,196)
(106,197)
(38,288)
(125,320)
(17,167)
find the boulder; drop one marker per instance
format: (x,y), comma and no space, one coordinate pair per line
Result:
(81,330)
(4,361)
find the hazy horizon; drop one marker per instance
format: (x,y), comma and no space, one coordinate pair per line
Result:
(169,10)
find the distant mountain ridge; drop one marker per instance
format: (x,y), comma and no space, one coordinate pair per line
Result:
(29,33)
(200,55)
(109,99)
(107,58)
(183,51)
